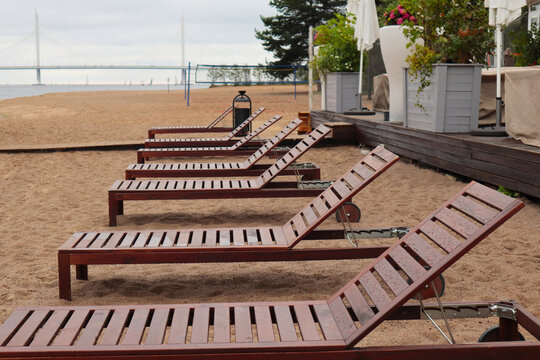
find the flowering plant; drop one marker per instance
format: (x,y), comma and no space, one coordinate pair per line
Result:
(451,31)
(399,16)
(337,46)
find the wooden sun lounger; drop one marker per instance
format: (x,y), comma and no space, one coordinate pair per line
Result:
(245,168)
(211,245)
(236,149)
(223,141)
(260,187)
(210,128)
(313,329)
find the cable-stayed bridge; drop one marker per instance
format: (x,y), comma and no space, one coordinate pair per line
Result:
(28,49)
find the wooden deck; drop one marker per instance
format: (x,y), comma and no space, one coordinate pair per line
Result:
(498,161)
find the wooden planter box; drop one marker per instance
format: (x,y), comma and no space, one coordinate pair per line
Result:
(450,103)
(341,89)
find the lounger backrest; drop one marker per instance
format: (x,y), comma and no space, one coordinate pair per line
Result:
(220,117)
(255,132)
(341,191)
(419,257)
(271,143)
(298,150)
(245,123)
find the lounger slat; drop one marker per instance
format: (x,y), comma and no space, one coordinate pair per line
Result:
(478,212)
(289,232)
(279,236)
(11,324)
(224,237)
(299,223)
(341,189)
(70,331)
(363,171)
(86,240)
(199,329)
(352,180)
(211,238)
(168,239)
(320,206)
(48,331)
(238,237)
(440,236)
(251,235)
(142,239)
(23,336)
(93,328)
(285,323)
(330,197)
(158,325)
(196,237)
(263,321)
(136,327)
(490,196)
(155,238)
(373,162)
(179,326)
(374,289)
(423,249)
(360,306)
(456,222)
(308,329)
(222,327)
(113,331)
(343,319)
(183,239)
(392,278)
(327,322)
(266,237)
(412,268)
(128,239)
(310,215)
(100,240)
(242,324)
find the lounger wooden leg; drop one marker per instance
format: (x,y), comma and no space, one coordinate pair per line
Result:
(140,158)
(64,277)
(120,207)
(151,135)
(113,209)
(81,272)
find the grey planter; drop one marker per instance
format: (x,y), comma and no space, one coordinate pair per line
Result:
(450,102)
(341,89)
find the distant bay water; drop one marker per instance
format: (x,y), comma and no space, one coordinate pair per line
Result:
(15,91)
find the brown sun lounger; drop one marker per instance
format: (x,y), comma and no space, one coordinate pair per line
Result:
(240,244)
(260,187)
(306,171)
(221,141)
(210,128)
(310,329)
(238,148)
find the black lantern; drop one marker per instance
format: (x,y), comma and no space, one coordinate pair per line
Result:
(241,111)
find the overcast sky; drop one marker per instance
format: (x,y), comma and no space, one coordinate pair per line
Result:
(114,32)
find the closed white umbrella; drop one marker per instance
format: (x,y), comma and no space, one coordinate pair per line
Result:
(366,30)
(501,13)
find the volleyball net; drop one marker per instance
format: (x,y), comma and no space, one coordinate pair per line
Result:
(251,74)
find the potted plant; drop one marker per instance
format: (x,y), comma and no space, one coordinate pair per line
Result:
(336,62)
(442,83)
(394,52)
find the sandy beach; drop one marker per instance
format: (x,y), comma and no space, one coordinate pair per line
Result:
(48,196)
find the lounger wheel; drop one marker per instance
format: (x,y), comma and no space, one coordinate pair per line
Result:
(492,334)
(351,210)
(427,292)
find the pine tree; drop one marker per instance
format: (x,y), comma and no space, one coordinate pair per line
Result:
(286,34)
